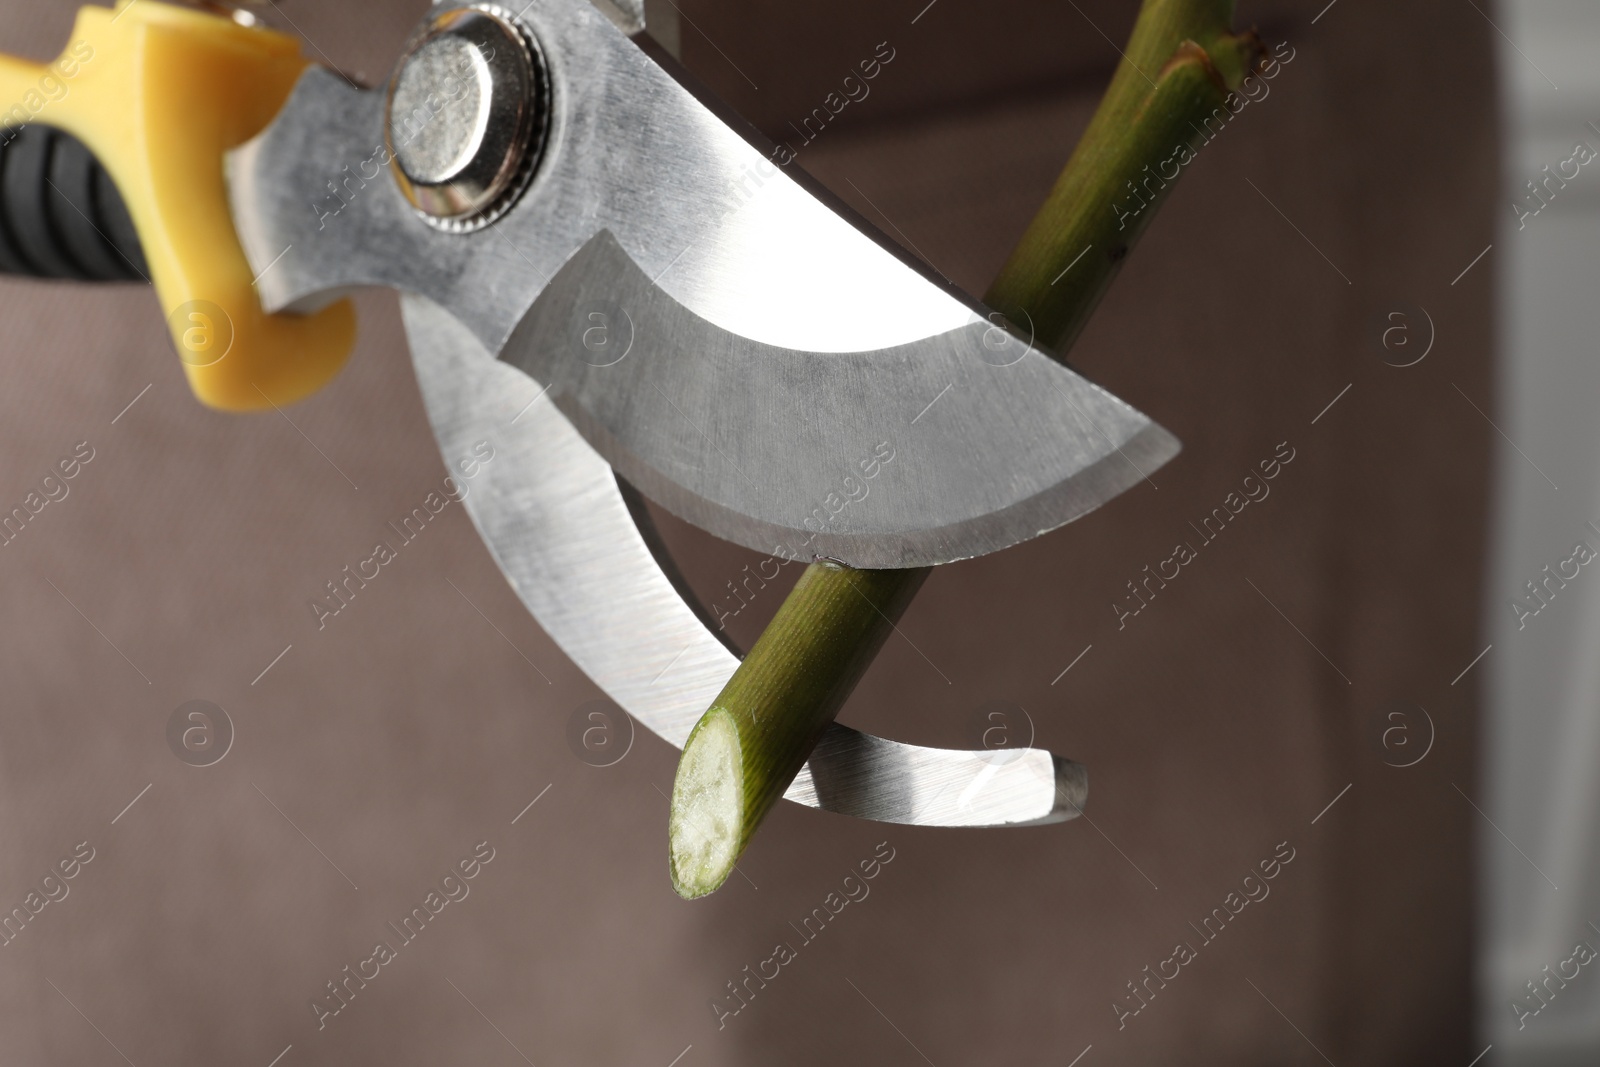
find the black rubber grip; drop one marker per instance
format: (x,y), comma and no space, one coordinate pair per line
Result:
(60,214)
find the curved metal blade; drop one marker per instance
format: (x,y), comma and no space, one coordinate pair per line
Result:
(777,342)
(551,512)
(915,455)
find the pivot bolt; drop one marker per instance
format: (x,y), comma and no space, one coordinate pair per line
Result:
(467,115)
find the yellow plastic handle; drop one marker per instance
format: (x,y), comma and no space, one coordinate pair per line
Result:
(158,93)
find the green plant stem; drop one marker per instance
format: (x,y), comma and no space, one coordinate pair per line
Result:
(1179,66)
(746,749)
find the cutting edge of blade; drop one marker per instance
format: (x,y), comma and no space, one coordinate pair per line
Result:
(1125,466)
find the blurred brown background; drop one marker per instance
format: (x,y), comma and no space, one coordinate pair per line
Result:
(1220,722)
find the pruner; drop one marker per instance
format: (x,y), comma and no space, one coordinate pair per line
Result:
(612,279)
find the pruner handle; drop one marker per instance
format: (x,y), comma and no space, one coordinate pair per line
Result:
(111,166)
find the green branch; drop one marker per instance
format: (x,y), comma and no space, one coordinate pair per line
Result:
(1180,64)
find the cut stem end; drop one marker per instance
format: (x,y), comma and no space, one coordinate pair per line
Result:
(706,821)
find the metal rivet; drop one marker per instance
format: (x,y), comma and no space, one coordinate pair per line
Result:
(466,117)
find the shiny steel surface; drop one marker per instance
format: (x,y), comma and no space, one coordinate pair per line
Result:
(553,516)
(919,454)
(775,343)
